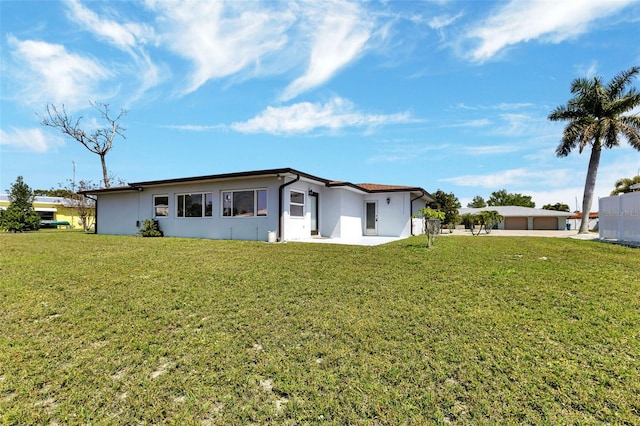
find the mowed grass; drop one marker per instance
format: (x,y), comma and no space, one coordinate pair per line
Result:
(477,330)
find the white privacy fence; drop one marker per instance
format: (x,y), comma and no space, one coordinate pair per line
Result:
(620,217)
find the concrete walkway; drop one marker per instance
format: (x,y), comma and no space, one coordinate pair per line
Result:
(360,241)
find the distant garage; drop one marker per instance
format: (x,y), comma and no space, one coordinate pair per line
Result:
(545,223)
(525,218)
(516,223)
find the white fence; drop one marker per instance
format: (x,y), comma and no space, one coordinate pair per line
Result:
(620,217)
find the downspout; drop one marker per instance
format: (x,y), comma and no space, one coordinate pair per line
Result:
(411,209)
(281,208)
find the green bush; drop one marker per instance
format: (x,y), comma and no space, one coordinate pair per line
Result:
(150,228)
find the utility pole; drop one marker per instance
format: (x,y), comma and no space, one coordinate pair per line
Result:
(73,190)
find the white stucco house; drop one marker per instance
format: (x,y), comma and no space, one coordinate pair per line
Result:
(525,218)
(283,204)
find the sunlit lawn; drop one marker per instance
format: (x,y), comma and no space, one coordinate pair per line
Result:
(126,330)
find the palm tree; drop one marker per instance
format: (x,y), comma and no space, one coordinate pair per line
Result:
(624,185)
(595,116)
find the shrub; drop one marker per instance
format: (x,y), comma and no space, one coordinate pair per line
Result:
(150,228)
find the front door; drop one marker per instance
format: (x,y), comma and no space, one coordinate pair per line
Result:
(313,209)
(371,217)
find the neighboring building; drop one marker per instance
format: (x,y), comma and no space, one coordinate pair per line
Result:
(525,218)
(620,218)
(283,204)
(53,210)
(575,220)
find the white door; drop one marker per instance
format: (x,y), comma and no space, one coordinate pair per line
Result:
(371,218)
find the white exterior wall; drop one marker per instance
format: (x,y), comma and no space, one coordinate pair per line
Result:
(341,213)
(620,217)
(118,212)
(330,224)
(394,218)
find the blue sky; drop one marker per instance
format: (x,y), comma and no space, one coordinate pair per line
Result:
(449,95)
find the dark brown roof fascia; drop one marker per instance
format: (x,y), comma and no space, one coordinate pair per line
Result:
(267,172)
(104,190)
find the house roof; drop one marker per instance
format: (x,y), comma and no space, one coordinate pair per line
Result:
(578,215)
(516,211)
(384,188)
(283,172)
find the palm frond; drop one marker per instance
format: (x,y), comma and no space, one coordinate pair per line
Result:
(630,128)
(618,83)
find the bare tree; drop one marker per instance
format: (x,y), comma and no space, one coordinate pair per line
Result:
(98,141)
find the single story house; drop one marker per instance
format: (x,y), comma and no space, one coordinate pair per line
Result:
(525,218)
(56,211)
(277,204)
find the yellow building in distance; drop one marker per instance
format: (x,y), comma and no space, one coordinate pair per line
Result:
(57,212)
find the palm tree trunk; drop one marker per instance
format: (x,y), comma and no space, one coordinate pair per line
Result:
(105,175)
(589,186)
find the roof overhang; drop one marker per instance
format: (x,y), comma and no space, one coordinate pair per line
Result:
(281,174)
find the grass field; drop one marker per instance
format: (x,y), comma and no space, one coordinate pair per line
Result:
(476,330)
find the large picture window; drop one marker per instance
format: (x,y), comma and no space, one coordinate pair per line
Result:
(245,203)
(296,204)
(160,205)
(194,205)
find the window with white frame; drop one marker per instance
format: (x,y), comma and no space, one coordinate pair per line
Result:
(194,205)
(244,203)
(296,204)
(160,205)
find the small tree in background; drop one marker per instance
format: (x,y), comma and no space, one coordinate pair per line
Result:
(561,207)
(20,216)
(84,206)
(468,220)
(504,198)
(432,224)
(477,202)
(487,219)
(449,205)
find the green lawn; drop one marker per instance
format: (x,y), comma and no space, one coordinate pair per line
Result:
(126,330)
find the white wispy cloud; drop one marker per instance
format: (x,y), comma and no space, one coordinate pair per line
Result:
(512,178)
(47,72)
(480,122)
(404,151)
(442,21)
(490,149)
(129,37)
(587,70)
(306,117)
(340,33)
(549,22)
(124,36)
(220,39)
(29,139)
(194,127)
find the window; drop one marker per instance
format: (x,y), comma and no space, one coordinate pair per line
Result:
(194,205)
(161,205)
(246,203)
(296,204)
(45,215)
